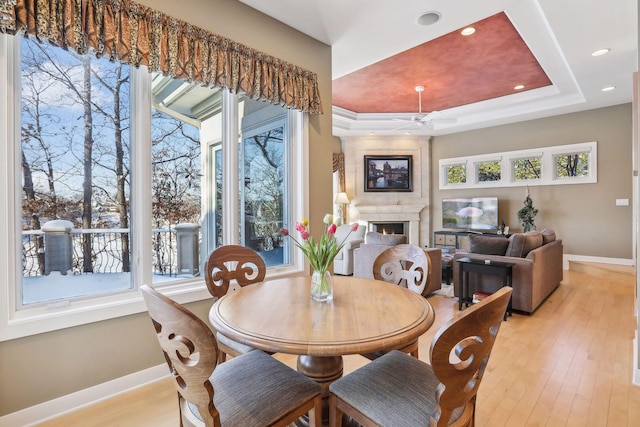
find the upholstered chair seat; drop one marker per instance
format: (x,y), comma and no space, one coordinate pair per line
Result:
(399,390)
(250,390)
(238,381)
(413,388)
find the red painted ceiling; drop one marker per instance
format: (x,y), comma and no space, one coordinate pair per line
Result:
(454,69)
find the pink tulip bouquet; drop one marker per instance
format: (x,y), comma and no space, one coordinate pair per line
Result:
(321,253)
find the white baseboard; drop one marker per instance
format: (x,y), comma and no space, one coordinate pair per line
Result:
(601,260)
(71,402)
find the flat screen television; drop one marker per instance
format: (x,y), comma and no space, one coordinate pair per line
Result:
(477,213)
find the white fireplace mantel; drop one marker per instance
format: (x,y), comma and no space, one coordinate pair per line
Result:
(393,213)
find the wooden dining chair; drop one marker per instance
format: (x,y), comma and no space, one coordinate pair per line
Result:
(408,266)
(399,390)
(405,265)
(226,265)
(253,389)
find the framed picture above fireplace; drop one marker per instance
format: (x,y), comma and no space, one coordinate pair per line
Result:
(388,173)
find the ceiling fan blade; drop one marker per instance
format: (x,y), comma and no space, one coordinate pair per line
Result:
(406,126)
(443,120)
(423,119)
(432,114)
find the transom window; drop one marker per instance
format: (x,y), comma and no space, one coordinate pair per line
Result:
(488,171)
(572,165)
(563,164)
(455,174)
(526,169)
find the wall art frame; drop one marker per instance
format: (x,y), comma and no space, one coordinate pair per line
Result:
(384,173)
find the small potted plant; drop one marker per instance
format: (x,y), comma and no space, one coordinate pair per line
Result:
(527,214)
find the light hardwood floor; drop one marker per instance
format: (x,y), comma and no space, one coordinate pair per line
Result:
(569,364)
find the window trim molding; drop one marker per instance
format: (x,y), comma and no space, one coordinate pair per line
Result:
(547,157)
(16,323)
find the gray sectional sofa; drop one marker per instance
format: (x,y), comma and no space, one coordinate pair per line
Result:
(537,272)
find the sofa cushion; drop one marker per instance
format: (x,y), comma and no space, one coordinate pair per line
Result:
(548,236)
(520,244)
(375,238)
(487,245)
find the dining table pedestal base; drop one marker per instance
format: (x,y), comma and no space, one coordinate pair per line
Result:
(324,370)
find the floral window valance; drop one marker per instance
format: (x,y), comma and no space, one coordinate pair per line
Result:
(138,35)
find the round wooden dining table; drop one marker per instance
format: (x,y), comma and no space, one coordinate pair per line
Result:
(364,316)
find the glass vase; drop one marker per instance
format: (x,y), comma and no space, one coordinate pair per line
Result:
(321,286)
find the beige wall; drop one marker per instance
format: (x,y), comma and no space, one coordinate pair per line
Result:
(39,368)
(583,215)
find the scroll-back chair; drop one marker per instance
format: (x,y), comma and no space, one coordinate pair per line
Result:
(408,266)
(225,265)
(399,390)
(253,389)
(405,265)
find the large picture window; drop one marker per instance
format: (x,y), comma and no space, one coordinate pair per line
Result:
(121,177)
(76,164)
(263,179)
(176,150)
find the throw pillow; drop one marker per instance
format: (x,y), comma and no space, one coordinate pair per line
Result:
(532,240)
(548,236)
(375,238)
(520,244)
(516,244)
(485,245)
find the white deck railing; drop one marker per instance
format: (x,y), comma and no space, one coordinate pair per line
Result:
(106,251)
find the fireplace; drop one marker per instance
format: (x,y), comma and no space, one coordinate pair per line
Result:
(408,216)
(389,227)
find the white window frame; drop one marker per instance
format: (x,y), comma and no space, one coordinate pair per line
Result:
(444,176)
(547,157)
(16,323)
(512,166)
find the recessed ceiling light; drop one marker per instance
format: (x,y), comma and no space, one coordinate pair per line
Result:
(608,88)
(468,31)
(428,18)
(601,52)
(518,87)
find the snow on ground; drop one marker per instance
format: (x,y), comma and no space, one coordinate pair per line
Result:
(57,286)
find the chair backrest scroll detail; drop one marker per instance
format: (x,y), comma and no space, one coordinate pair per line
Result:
(233,262)
(460,352)
(190,350)
(406,265)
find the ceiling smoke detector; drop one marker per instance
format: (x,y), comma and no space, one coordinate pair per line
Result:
(428,18)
